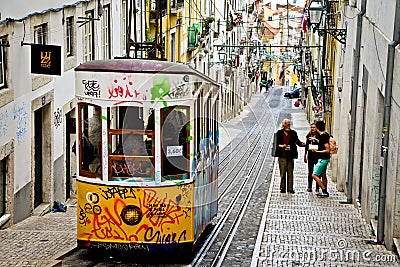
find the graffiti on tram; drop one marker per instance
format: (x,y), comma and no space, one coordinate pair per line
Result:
(123,214)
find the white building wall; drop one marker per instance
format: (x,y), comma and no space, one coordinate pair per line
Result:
(377,33)
(28,92)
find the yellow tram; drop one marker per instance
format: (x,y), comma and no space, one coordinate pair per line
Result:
(148,155)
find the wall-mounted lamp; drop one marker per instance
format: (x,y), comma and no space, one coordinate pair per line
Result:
(221,56)
(315,12)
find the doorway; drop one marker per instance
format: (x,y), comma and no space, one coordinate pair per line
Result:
(38,187)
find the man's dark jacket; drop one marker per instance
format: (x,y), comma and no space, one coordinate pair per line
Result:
(294,142)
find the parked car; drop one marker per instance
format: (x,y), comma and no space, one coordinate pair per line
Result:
(293,94)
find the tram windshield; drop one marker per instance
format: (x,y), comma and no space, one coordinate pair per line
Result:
(131,144)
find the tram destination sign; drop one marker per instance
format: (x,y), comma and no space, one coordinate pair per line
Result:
(46,59)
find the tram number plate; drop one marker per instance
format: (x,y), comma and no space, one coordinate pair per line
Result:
(174,151)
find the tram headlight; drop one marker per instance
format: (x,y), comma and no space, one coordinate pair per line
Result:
(131,215)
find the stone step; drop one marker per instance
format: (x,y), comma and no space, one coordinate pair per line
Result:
(316,239)
(360,229)
(345,218)
(315,211)
(311,208)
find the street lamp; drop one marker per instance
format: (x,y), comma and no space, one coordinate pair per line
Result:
(222,54)
(315,12)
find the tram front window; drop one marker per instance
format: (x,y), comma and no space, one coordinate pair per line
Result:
(131,149)
(90,140)
(175,143)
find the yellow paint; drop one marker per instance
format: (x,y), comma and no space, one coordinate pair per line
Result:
(167,214)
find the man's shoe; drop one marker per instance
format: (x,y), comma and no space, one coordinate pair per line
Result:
(283,191)
(291,191)
(309,190)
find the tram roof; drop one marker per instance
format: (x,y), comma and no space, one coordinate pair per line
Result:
(140,66)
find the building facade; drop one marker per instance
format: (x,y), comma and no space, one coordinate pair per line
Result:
(357,75)
(38,111)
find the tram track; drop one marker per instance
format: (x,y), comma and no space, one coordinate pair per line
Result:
(244,148)
(240,181)
(214,250)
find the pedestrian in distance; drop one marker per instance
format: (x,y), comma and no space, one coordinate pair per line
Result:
(311,157)
(286,150)
(323,152)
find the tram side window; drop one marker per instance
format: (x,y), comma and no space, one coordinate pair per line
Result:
(175,145)
(90,140)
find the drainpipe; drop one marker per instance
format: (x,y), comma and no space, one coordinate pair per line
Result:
(354,96)
(386,124)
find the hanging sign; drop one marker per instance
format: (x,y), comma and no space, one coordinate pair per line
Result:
(46,59)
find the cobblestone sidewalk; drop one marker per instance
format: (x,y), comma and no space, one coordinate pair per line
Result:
(303,229)
(39,240)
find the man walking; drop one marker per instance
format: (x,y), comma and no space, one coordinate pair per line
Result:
(286,151)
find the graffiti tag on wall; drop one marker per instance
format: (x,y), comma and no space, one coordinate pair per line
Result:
(57,118)
(20,116)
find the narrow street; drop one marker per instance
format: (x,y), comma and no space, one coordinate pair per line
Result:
(277,229)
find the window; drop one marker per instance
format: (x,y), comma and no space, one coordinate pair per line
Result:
(131,144)
(70,35)
(90,140)
(106,32)
(89,37)
(269,18)
(3,173)
(40,34)
(3,60)
(174,143)
(172,48)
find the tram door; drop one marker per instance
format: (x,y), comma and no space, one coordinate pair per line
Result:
(38,189)
(70,153)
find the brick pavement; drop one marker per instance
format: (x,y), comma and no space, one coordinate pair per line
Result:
(303,229)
